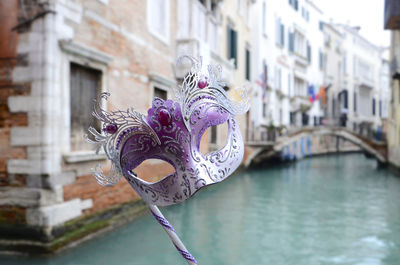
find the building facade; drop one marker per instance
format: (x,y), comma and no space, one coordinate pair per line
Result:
(392,23)
(288,65)
(333,73)
(356,78)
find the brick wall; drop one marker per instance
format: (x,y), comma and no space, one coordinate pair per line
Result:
(121,31)
(86,187)
(8,60)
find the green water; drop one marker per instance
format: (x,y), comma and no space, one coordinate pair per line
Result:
(323,210)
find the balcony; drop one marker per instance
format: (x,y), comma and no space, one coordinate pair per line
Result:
(300,103)
(366,82)
(392,14)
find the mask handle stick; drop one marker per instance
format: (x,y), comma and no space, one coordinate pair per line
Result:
(172,234)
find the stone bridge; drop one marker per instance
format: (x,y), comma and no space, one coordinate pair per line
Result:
(261,151)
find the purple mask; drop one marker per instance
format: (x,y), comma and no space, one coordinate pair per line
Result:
(172,132)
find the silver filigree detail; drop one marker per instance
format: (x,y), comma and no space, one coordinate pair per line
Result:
(128,122)
(190,95)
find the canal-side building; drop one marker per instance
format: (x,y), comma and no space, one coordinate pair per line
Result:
(56,56)
(288,65)
(392,23)
(356,80)
(333,73)
(358,98)
(201,32)
(236,46)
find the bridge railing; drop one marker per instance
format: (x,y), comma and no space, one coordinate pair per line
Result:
(266,134)
(270,135)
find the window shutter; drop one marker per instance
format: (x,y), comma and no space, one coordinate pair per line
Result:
(229,44)
(308,52)
(355,101)
(321,61)
(291,42)
(282,35)
(296,4)
(247,64)
(265,74)
(373,107)
(234,47)
(84,86)
(277,31)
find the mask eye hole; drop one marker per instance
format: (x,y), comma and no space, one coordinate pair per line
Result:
(153,170)
(214,138)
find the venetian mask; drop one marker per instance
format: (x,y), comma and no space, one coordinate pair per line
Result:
(172,131)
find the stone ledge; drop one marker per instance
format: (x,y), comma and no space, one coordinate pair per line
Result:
(84,156)
(23,166)
(24,103)
(23,136)
(84,51)
(35,240)
(28,197)
(57,214)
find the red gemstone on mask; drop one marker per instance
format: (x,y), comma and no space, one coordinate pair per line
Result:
(164,117)
(111,128)
(202,83)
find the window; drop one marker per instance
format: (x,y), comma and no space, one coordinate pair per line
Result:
(294,4)
(344,63)
(232,45)
(248,62)
(321,26)
(373,107)
(280,32)
(239,7)
(289,85)
(277,31)
(380,108)
(300,44)
(343,99)
(321,61)
(265,74)
(160,93)
(291,41)
(278,78)
(355,101)
(308,52)
(85,86)
(264,18)
(292,118)
(305,14)
(158,18)
(264,110)
(333,107)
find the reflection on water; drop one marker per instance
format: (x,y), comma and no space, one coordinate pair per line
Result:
(323,210)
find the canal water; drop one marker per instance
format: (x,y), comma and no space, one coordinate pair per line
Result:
(323,210)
